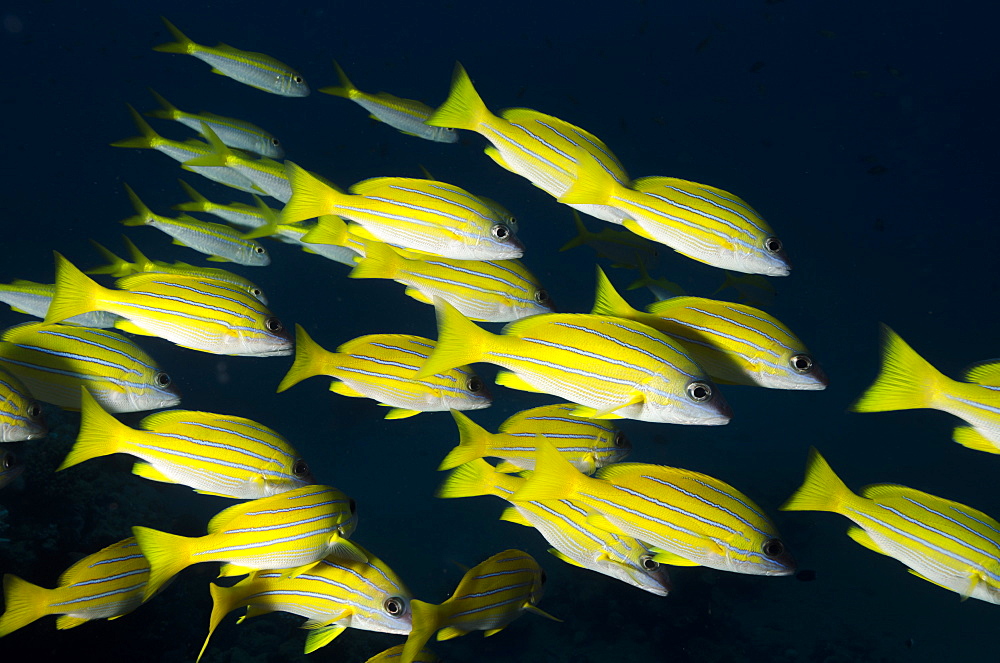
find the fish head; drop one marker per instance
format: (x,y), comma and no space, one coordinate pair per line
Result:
(763,254)
(291,84)
(27,423)
(536,302)
(759,552)
(795,369)
(158,393)
(613,446)
(493,239)
(639,569)
(10,467)
(695,402)
(385,610)
(444,135)
(267,337)
(468,391)
(296,474)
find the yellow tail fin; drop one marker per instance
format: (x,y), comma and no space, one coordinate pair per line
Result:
(116,266)
(167,554)
(607,301)
(310,359)
(472,443)
(470,479)
(427,619)
(100,433)
(224,601)
(460,341)
(822,489)
(75,294)
(182,43)
(380,262)
(148,139)
(464,108)
(167,110)
(311,197)
(583,235)
(593,184)
(346,87)
(24,603)
(906,381)
(554,477)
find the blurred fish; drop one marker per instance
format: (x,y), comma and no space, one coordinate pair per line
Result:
(734,343)
(196,313)
(232,132)
(254,69)
(33,298)
(588,444)
(610,367)
(140,263)
(11,467)
(483,290)
(333,595)
(564,525)
(215,454)
(185,151)
(907,381)
(383,367)
(541,148)
(752,289)
(218,241)
(696,220)
(946,543)
(490,595)
(623,247)
(292,530)
(425,215)
(20,416)
(238,214)
(266,174)
(689,518)
(105,585)
(54,361)
(393,654)
(407,115)
(661,288)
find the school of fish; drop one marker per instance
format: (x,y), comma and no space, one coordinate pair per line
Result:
(558,467)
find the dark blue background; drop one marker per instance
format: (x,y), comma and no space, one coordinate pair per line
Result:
(864,132)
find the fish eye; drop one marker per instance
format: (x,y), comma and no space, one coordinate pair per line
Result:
(541,296)
(474,384)
(801,363)
(161,379)
(699,392)
(259,250)
(34,411)
(273,325)
(394,606)
(620,439)
(772,244)
(449,129)
(300,468)
(648,563)
(773,548)
(9,461)
(500,231)
(542,576)
(352,505)
(298,79)
(275,142)
(256,292)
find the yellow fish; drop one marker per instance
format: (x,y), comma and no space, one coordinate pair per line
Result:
(20,416)
(608,366)
(907,381)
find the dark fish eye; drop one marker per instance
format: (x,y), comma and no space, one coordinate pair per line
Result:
(298,79)
(512,220)
(34,411)
(273,325)
(620,440)
(802,363)
(474,384)
(773,548)
(162,379)
(449,129)
(9,461)
(300,468)
(541,296)
(259,250)
(256,292)
(275,142)
(699,392)
(648,563)
(542,576)
(352,505)
(500,231)
(394,606)
(772,244)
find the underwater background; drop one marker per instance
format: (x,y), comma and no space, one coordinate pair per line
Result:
(866,133)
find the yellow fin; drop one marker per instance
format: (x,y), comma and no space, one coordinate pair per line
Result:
(329,229)
(75,293)
(147,471)
(167,554)
(182,43)
(554,477)
(344,90)
(427,618)
(822,489)
(24,602)
(512,515)
(969,437)
(985,372)
(379,262)
(464,108)
(607,301)
(449,632)
(68,621)
(311,197)
(345,389)
(310,359)
(494,154)
(100,433)
(541,613)
(906,381)
(460,341)
(593,184)
(863,538)
(400,412)
(322,636)
(673,559)
(512,380)
(473,442)
(563,557)
(469,480)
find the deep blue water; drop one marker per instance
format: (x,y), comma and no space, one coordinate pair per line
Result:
(865,134)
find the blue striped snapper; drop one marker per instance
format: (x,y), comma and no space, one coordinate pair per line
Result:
(424,215)
(383,367)
(610,367)
(690,518)
(734,343)
(215,454)
(234,133)
(907,381)
(588,444)
(105,585)
(483,290)
(119,267)
(20,416)
(406,115)
(393,654)
(699,221)
(220,242)
(292,530)
(946,543)
(490,596)
(564,525)
(33,299)
(254,69)
(11,466)
(55,361)
(182,152)
(196,313)
(333,595)
(266,174)
(541,148)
